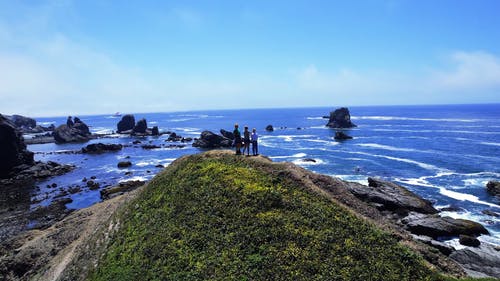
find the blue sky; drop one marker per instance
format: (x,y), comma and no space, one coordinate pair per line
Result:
(86,57)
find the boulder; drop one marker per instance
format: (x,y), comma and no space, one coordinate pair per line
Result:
(340,118)
(78,133)
(126,123)
(140,127)
(155,131)
(436,226)
(211,140)
(390,196)
(13,150)
(269,128)
(124,164)
(339,135)
(227,134)
(467,240)
(23,122)
(98,148)
(122,187)
(493,188)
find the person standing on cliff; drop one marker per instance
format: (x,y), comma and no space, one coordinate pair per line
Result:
(254,137)
(69,122)
(246,141)
(237,139)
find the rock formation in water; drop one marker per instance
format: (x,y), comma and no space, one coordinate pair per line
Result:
(340,118)
(210,140)
(127,123)
(79,132)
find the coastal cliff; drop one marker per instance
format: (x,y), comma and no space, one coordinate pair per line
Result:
(219,216)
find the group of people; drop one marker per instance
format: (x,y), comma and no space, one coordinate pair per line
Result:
(245,141)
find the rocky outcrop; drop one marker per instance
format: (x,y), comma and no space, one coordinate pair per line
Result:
(122,187)
(124,164)
(140,127)
(339,135)
(23,122)
(98,148)
(210,140)
(390,196)
(340,118)
(436,226)
(227,134)
(493,188)
(79,132)
(467,240)
(13,150)
(155,131)
(126,123)
(479,261)
(269,128)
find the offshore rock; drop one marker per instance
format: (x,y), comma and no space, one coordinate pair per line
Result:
(227,134)
(493,188)
(98,148)
(340,118)
(13,150)
(390,196)
(341,136)
(141,126)
(127,123)
(78,133)
(269,128)
(155,131)
(210,140)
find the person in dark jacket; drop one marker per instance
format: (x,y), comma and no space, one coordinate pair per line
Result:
(246,141)
(237,139)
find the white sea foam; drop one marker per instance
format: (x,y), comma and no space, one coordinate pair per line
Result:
(397,118)
(409,161)
(490,143)
(45,124)
(464,197)
(136,178)
(315,118)
(386,147)
(352,178)
(302,162)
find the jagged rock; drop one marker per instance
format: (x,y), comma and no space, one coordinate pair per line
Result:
(108,193)
(140,127)
(78,133)
(13,150)
(92,185)
(309,160)
(174,137)
(493,188)
(392,197)
(98,148)
(477,260)
(227,134)
(150,146)
(444,248)
(491,213)
(435,226)
(340,118)
(468,240)
(269,128)
(126,123)
(211,140)
(124,164)
(155,131)
(342,136)
(23,122)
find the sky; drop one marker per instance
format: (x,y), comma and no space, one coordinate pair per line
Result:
(64,57)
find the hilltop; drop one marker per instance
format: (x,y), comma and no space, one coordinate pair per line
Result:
(219,216)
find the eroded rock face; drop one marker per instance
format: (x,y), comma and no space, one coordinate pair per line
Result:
(23,122)
(340,118)
(127,123)
(141,126)
(13,150)
(227,134)
(342,136)
(392,197)
(211,140)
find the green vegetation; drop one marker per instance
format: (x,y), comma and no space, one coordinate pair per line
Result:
(231,218)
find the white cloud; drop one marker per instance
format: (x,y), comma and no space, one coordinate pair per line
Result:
(471,71)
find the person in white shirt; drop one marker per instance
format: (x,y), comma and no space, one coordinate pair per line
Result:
(254,138)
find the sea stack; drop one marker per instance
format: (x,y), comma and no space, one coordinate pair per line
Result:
(340,118)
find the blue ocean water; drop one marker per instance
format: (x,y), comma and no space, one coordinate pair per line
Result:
(444,153)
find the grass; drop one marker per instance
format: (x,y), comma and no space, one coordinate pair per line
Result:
(228,218)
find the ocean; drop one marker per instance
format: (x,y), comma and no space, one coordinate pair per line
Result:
(444,153)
